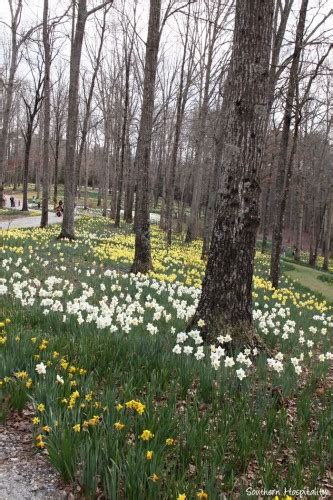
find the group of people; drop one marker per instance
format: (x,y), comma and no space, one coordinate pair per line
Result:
(59,209)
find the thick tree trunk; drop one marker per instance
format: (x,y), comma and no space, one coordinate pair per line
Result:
(226,301)
(283,153)
(142,258)
(46,116)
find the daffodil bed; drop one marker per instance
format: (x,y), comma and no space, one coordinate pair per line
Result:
(128,404)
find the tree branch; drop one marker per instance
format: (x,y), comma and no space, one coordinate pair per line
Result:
(95,9)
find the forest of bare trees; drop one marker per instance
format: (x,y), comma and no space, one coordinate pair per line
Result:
(154,106)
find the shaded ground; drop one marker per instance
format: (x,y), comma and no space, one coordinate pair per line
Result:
(308,277)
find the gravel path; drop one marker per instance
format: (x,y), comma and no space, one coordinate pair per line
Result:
(22,222)
(25,474)
(34,221)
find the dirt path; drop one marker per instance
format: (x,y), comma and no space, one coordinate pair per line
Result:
(23,222)
(25,474)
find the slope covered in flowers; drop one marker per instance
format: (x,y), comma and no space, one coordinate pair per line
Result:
(126,402)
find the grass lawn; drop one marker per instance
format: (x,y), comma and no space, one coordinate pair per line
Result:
(12,213)
(127,403)
(309,278)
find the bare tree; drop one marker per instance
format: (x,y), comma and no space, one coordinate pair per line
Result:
(87,112)
(142,258)
(328,230)
(17,39)
(180,110)
(128,52)
(226,301)
(32,103)
(214,13)
(46,116)
(58,108)
(67,228)
(282,161)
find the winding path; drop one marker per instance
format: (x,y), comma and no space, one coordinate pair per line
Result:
(34,221)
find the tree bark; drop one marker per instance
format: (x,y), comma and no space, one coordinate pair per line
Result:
(142,258)
(226,301)
(67,228)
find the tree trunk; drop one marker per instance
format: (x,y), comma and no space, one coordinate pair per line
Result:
(124,133)
(86,179)
(26,167)
(89,101)
(181,101)
(328,231)
(142,258)
(9,97)
(266,210)
(192,230)
(129,194)
(56,171)
(67,228)
(226,301)
(283,153)
(300,214)
(46,116)
(213,190)
(129,191)
(106,177)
